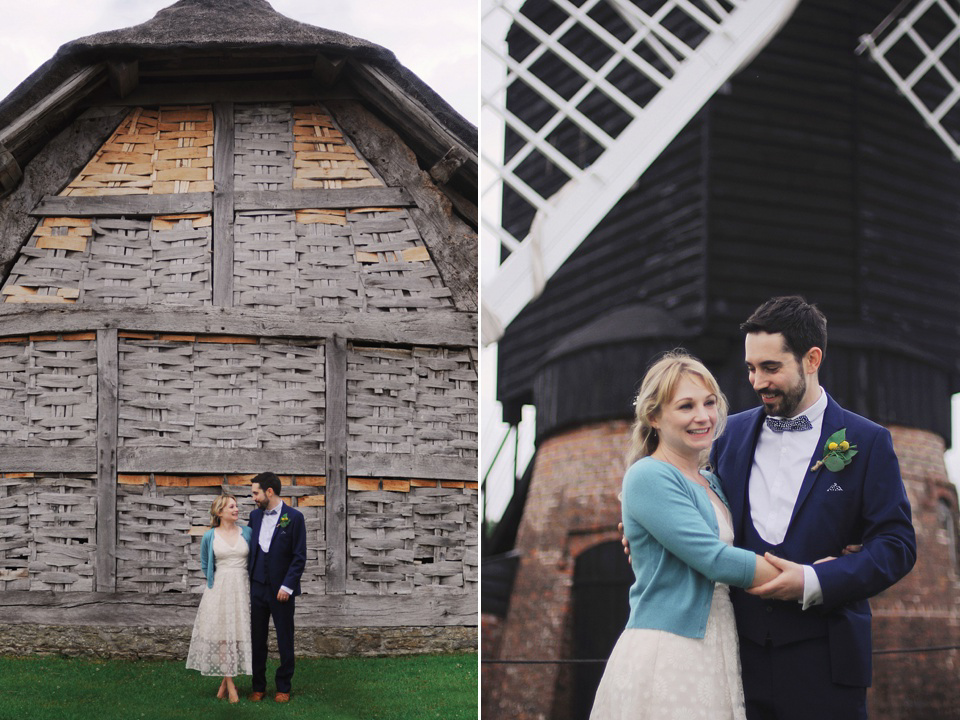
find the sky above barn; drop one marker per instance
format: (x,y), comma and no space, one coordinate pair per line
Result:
(436,39)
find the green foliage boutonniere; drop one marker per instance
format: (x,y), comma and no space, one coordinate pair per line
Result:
(837,452)
(284,521)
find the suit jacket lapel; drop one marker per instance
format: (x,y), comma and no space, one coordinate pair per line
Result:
(276,527)
(832,421)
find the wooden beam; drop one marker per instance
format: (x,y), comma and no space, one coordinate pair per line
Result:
(70,91)
(395,465)
(236,91)
(123,76)
(126,205)
(442,329)
(446,166)
(223,199)
(335,442)
(299,461)
(345,198)
(72,459)
(107,441)
(422,608)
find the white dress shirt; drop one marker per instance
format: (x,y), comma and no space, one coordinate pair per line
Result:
(267,527)
(780,462)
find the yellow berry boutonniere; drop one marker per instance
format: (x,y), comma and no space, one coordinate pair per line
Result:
(284,521)
(837,452)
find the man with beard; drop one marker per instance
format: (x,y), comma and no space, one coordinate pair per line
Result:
(278,554)
(801,491)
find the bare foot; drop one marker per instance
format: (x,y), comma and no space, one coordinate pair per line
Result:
(222,692)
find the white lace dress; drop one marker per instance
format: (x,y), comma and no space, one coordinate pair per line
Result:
(656,675)
(220,644)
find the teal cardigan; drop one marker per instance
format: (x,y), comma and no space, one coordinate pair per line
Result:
(675,550)
(207,561)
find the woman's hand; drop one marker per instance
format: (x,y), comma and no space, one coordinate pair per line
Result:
(623,541)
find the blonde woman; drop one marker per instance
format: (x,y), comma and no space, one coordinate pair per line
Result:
(678,655)
(220,644)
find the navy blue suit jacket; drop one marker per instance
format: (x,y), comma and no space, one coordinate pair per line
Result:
(288,548)
(869,508)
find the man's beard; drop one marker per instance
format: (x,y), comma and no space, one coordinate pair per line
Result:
(789,400)
(262,505)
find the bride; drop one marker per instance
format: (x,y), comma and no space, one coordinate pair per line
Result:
(677,657)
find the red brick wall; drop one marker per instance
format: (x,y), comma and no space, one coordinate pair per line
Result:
(573,506)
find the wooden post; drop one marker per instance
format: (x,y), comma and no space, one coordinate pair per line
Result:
(107,441)
(223,203)
(335,440)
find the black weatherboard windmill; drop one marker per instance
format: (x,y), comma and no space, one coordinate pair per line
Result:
(231,242)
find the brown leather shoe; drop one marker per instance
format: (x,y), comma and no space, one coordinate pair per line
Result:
(282,697)
(256,696)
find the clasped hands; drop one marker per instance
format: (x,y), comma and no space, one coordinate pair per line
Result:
(788,585)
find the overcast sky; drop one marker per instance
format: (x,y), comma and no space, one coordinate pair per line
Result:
(436,39)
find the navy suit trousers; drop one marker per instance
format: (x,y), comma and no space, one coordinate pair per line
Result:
(263,606)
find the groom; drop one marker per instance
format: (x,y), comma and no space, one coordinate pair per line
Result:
(805,636)
(278,555)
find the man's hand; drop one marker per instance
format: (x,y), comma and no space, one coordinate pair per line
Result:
(623,541)
(788,585)
(282,596)
(848,550)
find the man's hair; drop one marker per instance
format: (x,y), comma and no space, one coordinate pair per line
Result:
(802,325)
(268,480)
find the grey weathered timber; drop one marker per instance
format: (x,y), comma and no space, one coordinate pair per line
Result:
(237,91)
(49,171)
(422,465)
(179,609)
(107,413)
(126,205)
(223,200)
(343,198)
(68,93)
(400,107)
(453,245)
(220,460)
(335,437)
(442,329)
(48,459)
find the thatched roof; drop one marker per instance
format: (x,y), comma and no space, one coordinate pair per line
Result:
(204,29)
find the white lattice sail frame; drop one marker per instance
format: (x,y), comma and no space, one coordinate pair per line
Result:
(686,77)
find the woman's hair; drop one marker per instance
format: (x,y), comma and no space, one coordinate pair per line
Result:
(659,385)
(217,507)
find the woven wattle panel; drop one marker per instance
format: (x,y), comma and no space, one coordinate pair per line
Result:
(180,263)
(115,260)
(154,545)
(47,532)
(324,159)
(256,394)
(397,272)
(48,391)
(265,259)
(419,400)
(14,361)
(421,540)
(50,265)
(153,152)
(263,154)
(327,271)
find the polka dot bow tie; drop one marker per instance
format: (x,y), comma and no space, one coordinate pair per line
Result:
(800,422)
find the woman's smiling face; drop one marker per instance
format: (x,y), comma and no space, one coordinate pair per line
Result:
(688,421)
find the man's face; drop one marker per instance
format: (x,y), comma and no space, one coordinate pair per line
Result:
(775,374)
(259,496)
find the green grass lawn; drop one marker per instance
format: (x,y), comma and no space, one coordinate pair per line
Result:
(392,688)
